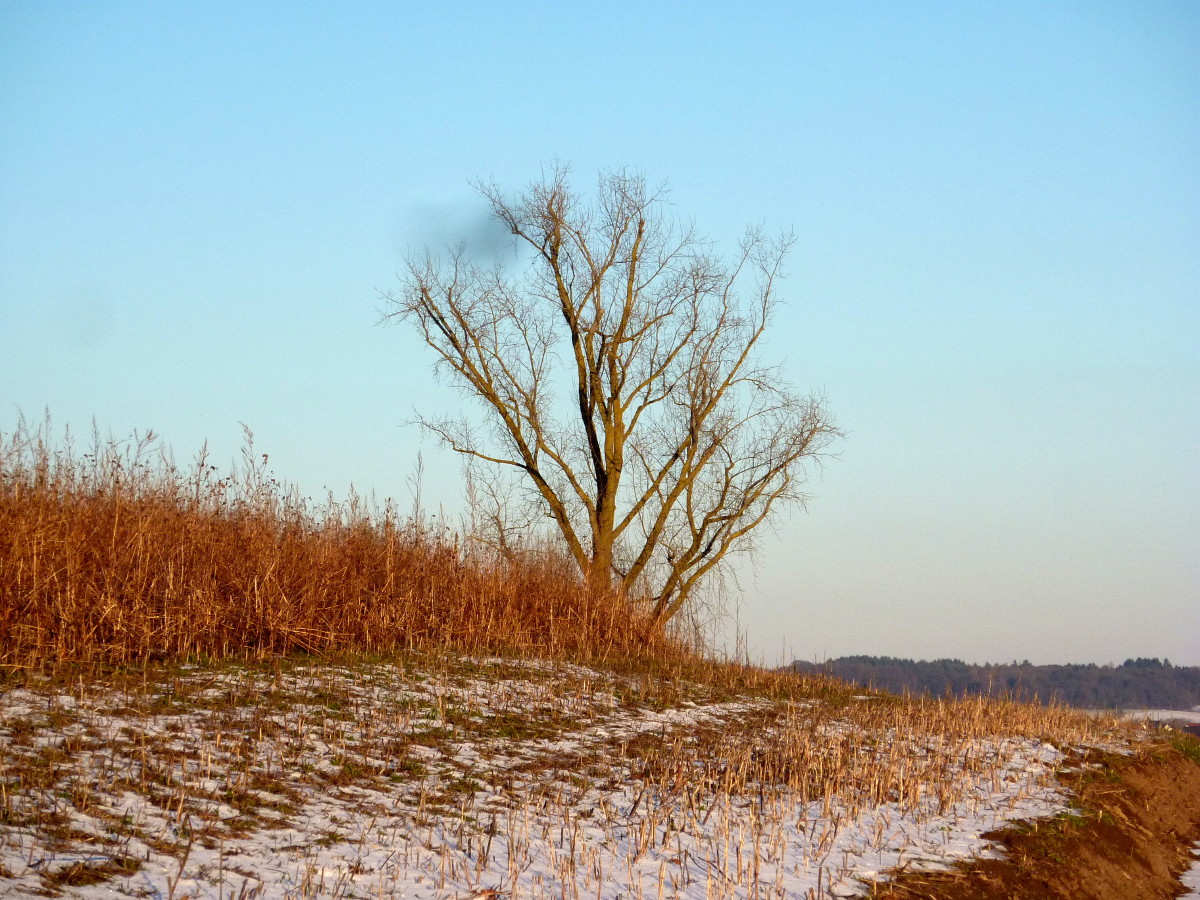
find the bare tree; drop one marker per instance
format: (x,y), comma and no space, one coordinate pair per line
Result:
(615,358)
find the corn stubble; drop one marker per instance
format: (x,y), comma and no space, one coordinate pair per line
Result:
(436,777)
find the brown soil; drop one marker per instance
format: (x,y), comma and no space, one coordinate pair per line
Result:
(1129,838)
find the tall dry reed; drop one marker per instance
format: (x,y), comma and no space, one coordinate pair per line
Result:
(116,554)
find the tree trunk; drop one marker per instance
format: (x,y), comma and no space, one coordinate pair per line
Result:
(600,574)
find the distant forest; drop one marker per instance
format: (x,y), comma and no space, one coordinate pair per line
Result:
(1135,684)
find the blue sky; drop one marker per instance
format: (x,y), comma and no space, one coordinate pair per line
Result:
(996,280)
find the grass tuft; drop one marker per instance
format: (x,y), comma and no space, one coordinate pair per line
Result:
(114,554)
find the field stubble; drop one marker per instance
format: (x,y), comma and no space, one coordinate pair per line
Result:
(443,777)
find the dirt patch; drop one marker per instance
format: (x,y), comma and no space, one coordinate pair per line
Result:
(1136,819)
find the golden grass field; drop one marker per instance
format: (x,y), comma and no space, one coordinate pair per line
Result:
(215,688)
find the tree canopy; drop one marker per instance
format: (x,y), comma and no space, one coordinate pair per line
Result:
(615,358)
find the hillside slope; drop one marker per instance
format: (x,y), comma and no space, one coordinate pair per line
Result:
(451,777)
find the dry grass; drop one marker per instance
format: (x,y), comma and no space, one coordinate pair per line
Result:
(116,554)
(407,757)
(436,776)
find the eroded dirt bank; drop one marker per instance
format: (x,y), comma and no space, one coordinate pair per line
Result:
(1137,820)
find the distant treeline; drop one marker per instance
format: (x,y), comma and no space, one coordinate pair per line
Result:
(1136,683)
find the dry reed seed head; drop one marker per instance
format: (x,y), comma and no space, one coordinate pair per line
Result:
(115,555)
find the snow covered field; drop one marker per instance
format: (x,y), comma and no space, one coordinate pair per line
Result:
(492,778)
(1162,715)
(1191,878)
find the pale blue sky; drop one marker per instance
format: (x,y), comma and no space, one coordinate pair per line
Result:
(996,281)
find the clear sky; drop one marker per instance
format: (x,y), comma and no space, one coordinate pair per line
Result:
(996,280)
